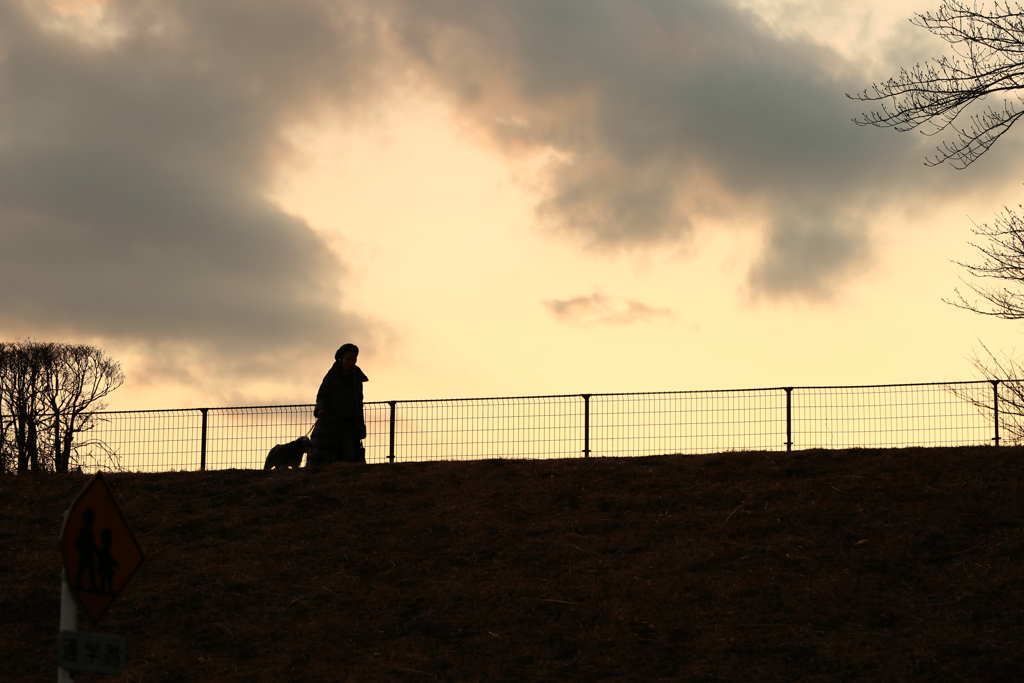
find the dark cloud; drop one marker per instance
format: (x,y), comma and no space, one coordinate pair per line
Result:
(800,250)
(600,308)
(664,112)
(135,156)
(137,147)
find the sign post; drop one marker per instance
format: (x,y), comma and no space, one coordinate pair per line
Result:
(101,556)
(68,621)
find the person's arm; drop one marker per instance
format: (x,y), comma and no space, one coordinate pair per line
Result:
(323,395)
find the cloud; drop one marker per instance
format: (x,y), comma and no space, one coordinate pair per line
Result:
(801,249)
(662,114)
(600,308)
(139,142)
(136,150)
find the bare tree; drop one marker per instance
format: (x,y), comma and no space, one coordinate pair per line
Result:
(74,386)
(20,368)
(945,95)
(1004,371)
(52,393)
(1002,259)
(7,455)
(989,61)
(8,424)
(988,47)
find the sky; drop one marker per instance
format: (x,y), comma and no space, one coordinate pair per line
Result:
(489,197)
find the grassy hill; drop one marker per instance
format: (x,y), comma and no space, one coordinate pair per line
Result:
(859,565)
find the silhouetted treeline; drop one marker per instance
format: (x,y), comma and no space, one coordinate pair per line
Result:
(49,396)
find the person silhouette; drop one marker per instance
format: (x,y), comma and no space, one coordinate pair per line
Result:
(340,425)
(106,564)
(85,544)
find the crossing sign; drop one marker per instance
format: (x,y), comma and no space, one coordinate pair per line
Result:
(100,551)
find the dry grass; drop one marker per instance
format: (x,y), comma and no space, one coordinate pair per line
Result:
(862,565)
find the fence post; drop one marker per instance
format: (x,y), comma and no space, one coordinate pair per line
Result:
(789,418)
(586,425)
(995,406)
(202,442)
(391,439)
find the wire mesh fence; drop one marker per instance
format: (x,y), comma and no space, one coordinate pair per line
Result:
(896,415)
(147,440)
(465,429)
(575,425)
(686,422)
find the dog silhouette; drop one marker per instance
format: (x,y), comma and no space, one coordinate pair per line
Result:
(288,454)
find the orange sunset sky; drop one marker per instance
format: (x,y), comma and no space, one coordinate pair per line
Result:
(491,198)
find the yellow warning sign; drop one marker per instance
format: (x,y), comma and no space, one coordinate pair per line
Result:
(100,552)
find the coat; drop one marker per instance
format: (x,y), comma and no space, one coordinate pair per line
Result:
(341,399)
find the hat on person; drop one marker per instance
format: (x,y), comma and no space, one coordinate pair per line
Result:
(345,348)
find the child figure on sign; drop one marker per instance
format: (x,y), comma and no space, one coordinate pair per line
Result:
(106,564)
